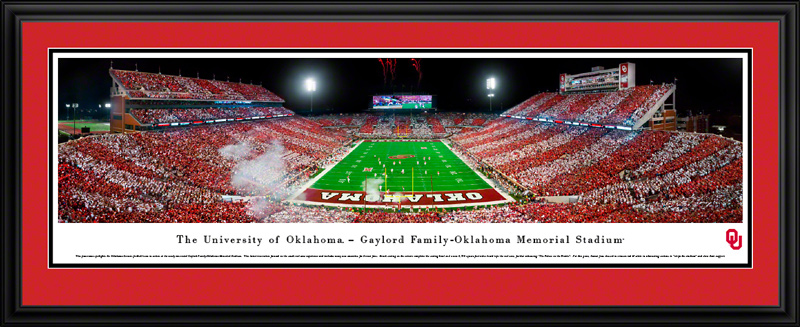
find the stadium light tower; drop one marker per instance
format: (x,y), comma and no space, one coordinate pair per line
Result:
(490,85)
(311,86)
(74,112)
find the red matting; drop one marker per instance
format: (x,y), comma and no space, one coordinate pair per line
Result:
(757,286)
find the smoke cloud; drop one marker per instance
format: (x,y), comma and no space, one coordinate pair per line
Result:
(258,174)
(372,186)
(261,175)
(236,152)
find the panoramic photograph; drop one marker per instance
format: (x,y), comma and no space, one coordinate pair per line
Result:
(400,140)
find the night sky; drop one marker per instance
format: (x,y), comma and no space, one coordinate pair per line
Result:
(347,85)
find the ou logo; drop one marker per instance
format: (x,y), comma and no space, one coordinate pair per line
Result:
(624,69)
(733,237)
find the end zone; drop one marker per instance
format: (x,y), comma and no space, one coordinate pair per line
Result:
(418,199)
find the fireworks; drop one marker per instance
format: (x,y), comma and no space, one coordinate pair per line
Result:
(416,64)
(388,66)
(383,66)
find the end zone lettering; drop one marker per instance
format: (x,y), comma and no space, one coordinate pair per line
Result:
(422,198)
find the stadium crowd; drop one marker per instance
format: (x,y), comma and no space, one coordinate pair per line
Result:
(152,116)
(421,125)
(189,167)
(623,107)
(160,86)
(191,174)
(636,171)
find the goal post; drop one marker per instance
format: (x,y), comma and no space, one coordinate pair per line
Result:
(387,195)
(403,134)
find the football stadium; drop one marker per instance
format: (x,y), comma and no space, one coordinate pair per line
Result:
(596,148)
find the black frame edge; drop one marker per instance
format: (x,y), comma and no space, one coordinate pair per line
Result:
(11,181)
(13,313)
(788,159)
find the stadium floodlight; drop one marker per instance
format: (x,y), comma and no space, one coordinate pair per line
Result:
(490,85)
(311,86)
(108,105)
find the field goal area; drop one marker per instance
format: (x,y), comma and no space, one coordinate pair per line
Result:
(418,173)
(404,133)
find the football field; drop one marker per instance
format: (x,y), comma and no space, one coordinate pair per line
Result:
(94,126)
(402,167)
(420,172)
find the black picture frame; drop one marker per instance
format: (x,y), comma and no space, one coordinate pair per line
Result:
(16,12)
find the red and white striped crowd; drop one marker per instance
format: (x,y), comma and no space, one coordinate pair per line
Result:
(161,86)
(190,174)
(623,107)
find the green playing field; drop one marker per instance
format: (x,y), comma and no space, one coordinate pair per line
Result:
(432,162)
(94,126)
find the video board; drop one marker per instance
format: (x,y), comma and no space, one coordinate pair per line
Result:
(402,102)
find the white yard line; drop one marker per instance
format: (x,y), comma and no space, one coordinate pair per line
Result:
(378,206)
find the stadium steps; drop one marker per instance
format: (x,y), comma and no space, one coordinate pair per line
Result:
(647,116)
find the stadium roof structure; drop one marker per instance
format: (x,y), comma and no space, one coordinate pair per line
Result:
(157,86)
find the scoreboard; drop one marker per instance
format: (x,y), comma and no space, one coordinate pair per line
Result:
(618,78)
(381,102)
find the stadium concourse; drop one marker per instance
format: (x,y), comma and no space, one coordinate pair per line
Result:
(199,173)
